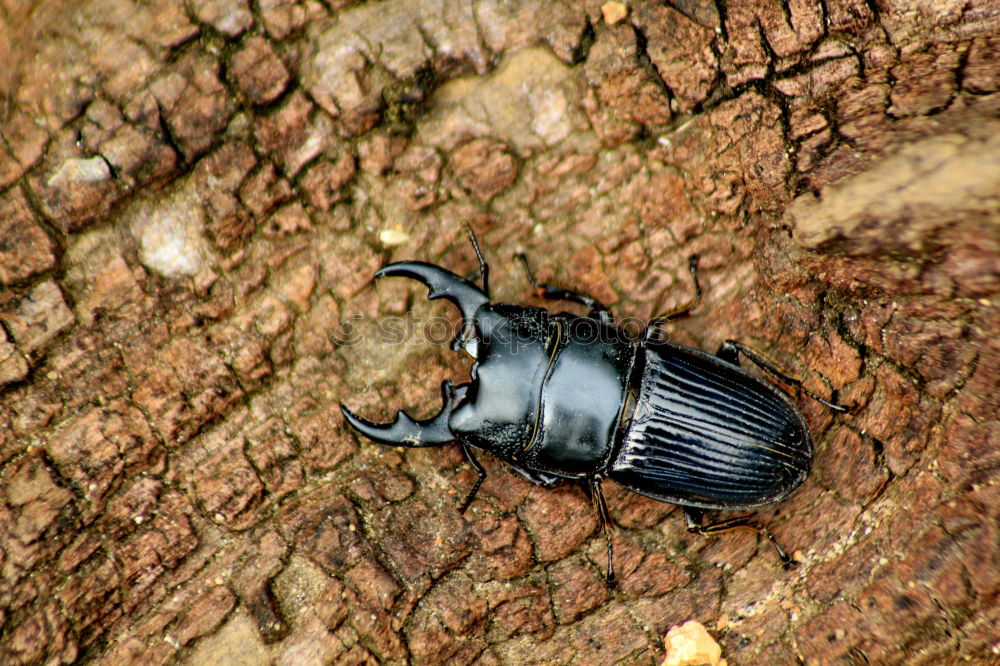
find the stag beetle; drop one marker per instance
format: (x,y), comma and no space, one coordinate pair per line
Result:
(559,396)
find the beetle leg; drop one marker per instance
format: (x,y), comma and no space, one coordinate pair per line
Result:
(653,327)
(730,350)
(480,470)
(597,495)
(692,519)
(598,310)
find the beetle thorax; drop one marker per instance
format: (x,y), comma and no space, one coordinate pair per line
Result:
(547,389)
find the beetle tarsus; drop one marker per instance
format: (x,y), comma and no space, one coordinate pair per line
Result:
(601,506)
(611,581)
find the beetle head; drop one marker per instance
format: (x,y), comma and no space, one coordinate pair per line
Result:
(511,345)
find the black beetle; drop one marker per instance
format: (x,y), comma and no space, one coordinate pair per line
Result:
(558,396)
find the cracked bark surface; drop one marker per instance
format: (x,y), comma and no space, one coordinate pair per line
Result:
(193,198)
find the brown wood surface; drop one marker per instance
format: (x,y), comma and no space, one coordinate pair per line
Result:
(193,198)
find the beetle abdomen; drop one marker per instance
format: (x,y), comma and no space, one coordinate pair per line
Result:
(705,433)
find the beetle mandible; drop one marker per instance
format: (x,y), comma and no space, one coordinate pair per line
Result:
(558,396)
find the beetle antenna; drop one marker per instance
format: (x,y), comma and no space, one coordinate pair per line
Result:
(484,268)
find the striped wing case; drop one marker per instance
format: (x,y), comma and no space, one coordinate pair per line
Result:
(707,434)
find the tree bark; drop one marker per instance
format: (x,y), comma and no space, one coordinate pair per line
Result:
(194,197)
